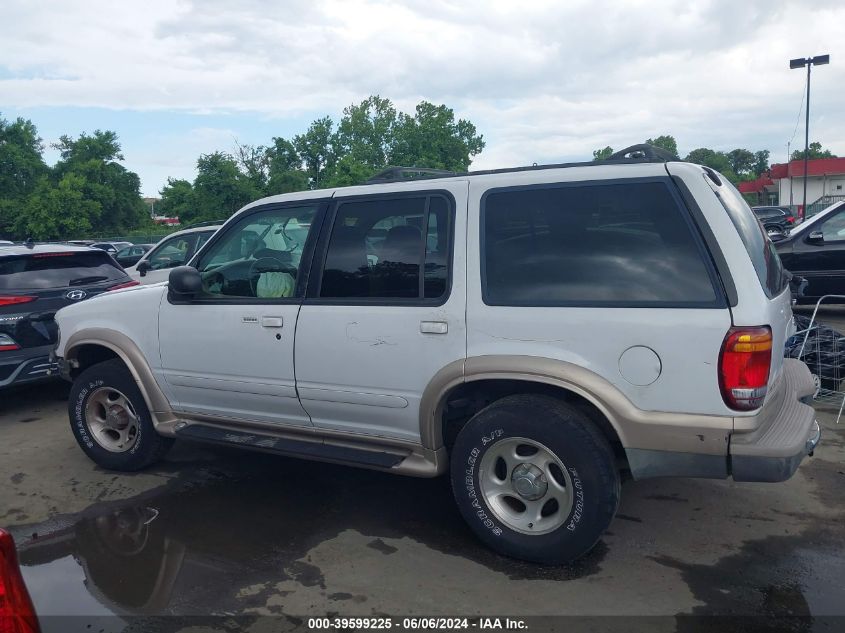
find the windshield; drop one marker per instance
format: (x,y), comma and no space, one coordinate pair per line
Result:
(812,221)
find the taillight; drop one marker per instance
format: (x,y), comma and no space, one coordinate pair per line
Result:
(790,219)
(17,615)
(744,364)
(128,284)
(15,300)
(7,344)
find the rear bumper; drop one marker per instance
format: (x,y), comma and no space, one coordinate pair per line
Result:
(27,365)
(768,446)
(784,432)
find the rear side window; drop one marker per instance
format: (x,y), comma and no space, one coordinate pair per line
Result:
(57,270)
(610,244)
(389,248)
(760,249)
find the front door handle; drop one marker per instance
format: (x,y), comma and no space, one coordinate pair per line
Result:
(434,327)
(272,321)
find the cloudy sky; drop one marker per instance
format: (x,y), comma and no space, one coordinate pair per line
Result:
(543,81)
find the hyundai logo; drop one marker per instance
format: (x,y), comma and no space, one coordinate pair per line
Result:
(76,295)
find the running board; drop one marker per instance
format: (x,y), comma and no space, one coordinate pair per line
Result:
(291,447)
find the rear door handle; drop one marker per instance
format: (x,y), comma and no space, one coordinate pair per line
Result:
(434,327)
(272,321)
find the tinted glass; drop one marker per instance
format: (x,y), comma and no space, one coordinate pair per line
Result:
(173,252)
(57,270)
(760,249)
(202,238)
(622,244)
(259,257)
(768,213)
(376,249)
(833,228)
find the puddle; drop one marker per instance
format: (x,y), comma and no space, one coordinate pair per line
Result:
(779,579)
(242,520)
(220,536)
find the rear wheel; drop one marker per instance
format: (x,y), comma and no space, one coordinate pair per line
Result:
(111,421)
(535,479)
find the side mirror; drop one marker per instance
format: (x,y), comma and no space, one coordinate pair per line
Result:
(815,237)
(143,268)
(185,282)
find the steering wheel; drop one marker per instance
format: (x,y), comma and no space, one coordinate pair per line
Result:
(267,265)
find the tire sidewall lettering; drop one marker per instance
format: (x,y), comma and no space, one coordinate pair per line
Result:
(471,485)
(577,512)
(79,412)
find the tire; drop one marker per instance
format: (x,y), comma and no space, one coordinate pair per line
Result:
(585,491)
(110,419)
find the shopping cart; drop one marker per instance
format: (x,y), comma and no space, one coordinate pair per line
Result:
(823,350)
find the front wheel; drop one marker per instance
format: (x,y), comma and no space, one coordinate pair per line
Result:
(111,421)
(535,479)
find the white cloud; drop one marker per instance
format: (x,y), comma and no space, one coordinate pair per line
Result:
(542,80)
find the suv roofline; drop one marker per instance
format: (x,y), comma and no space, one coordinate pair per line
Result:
(633,155)
(20,249)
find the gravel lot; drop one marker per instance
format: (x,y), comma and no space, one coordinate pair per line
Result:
(224,532)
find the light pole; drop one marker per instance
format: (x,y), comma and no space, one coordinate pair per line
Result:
(789,168)
(809,62)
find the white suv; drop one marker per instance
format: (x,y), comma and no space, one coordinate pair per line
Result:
(538,332)
(174,250)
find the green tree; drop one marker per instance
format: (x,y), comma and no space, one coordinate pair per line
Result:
(713,159)
(370,136)
(366,135)
(219,189)
(367,129)
(254,163)
(21,167)
(432,138)
(602,154)
(742,162)
(58,211)
(177,199)
(666,141)
(115,189)
(284,168)
(316,148)
(761,162)
(815,151)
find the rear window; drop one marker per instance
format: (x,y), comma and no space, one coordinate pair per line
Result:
(764,257)
(57,270)
(626,244)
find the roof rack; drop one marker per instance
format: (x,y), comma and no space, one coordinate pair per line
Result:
(398,174)
(643,153)
(640,153)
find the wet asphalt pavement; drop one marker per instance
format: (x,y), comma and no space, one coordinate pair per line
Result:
(218,531)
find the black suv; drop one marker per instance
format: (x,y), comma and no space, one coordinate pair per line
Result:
(35,281)
(777,221)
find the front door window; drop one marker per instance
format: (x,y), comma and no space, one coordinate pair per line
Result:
(259,257)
